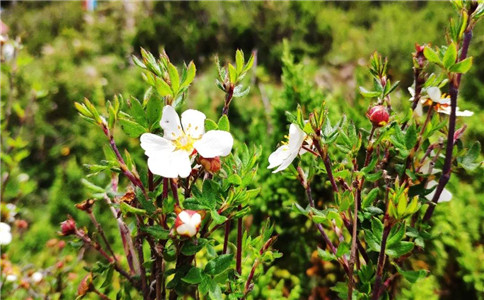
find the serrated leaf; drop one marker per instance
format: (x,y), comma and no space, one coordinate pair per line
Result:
(157,232)
(219,264)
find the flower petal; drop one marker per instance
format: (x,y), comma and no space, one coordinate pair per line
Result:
(296,138)
(171,164)
(214,143)
(277,157)
(184,217)
(286,162)
(155,145)
(193,122)
(465,113)
(196,219)
(445,196)
(183,229)
(434,93)
(170,122)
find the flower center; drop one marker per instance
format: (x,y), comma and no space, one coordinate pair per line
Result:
(184,142)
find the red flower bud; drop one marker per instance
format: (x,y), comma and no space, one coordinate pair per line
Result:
(21,224)
(68,227)
(378,115)
(211,165)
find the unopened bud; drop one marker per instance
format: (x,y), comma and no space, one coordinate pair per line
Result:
(188,222)
(85,285)
(21,224)
(378,115)
(211,165)
(68,227)
(86,205)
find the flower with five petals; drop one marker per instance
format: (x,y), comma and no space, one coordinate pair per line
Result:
(169,156)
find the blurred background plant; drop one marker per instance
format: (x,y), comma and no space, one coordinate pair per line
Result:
(57,53)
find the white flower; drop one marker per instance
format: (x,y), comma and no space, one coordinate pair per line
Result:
(11,278)
(445,196)
(5,235)
(37,277)
(285,154)
(187,223)
(442,103)
(169,156)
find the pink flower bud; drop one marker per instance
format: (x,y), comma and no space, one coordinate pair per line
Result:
(68,227)
(188,222)
(211,165)
(378,115)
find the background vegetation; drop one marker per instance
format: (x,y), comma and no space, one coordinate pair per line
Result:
(307,52)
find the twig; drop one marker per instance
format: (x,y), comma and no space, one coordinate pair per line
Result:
(239,244)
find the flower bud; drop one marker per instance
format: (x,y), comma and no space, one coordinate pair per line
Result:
(86,205)
(378,115)
(85,285)
(211,165)
(68,227)
(188,222)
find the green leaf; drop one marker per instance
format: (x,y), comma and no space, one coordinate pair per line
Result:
(370,197)
(217,219)
(399,249)
(325,255)
(194,276)
(413,276)
(343,248)
(450,56)
(369,94)
(157,232)
(468,161)
(131,128)
(234,179)
(162,87)
(174,78)
(210,125)
(223,123)
(431,55)
(232,74)
(153,110)
(219,264)
(191,248)
(462,66)
(411,137)
(240,92)
(239,60)
(126,208)
(214,291)
(377,228)
(190,75)
(396,235)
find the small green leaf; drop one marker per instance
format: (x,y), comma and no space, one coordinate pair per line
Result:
(325,255)
(239,60)
(217,219)
(462,66)
(174,78)
(223,123)
(157,232)
(399,249)
(194,276)
(370,197)
(190,75)
(232,74)
(450,56)
(411,137)
(234,179)
(431,55)
(210,125)
(369,94)
(131,128)
(219,264)
(162,87)
(126,208)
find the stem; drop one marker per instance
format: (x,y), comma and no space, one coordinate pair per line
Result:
(226,236)
(101,295)
(87,241)
(228,98)
(239,243)
(453,92)
(381,263)
(327,164)
(174,189)
(353,245)
(320,228)
(139,249)
(101,232)
(134,179)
